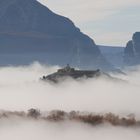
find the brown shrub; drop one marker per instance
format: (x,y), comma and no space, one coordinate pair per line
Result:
(128,122)
(33,113)
(112,118)
(56,115)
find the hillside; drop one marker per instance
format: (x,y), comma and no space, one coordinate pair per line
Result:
(30,32)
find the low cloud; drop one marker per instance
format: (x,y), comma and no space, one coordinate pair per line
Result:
(21,90)
(20,85)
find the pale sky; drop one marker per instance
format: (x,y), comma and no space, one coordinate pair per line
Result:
(108,22)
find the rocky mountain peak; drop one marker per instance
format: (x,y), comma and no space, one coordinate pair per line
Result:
(28,26)
(132,50)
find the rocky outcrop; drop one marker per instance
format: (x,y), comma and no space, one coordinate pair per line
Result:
(132,50)
(27,27)
(136,42)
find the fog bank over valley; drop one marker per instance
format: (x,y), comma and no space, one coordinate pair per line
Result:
(21,90)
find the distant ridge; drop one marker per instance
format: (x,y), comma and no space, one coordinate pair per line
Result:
(132,50)
(114,54)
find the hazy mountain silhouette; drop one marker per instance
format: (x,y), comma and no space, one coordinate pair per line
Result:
(132,50)
(114,54)
(27,27)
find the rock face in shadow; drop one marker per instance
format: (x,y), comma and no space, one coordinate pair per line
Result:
(132,50)
(136,41)
(30,32)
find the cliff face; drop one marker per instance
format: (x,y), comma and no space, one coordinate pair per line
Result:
(132,50)
(31,16)
(136,42)
(26,26)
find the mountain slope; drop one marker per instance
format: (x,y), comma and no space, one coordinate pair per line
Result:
(28,27)
(132,50)
(113,54)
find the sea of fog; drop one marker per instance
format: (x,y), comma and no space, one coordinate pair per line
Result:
(21,89)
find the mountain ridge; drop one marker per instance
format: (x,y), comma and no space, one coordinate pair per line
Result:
(28,26)
(132,50)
